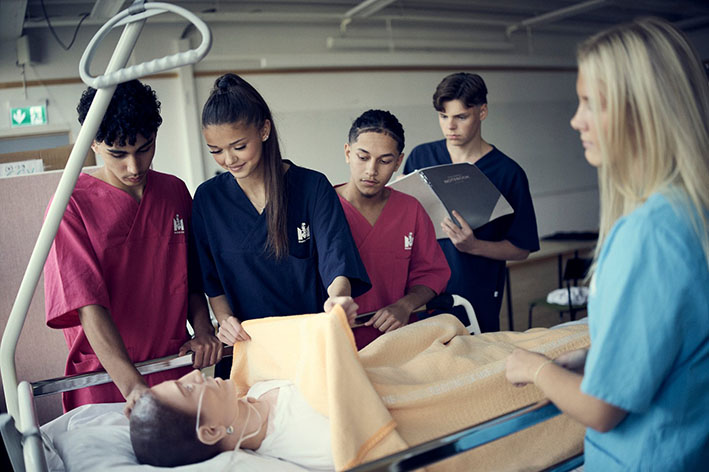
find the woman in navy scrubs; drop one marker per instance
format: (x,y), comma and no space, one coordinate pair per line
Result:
(271,236)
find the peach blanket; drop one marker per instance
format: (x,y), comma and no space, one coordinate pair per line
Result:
(414,384)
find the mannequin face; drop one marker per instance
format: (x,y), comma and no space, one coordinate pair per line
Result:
(219,402)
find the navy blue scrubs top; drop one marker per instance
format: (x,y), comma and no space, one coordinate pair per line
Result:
(479,279)
(230,236)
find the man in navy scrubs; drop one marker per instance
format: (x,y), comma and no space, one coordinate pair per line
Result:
(477,258)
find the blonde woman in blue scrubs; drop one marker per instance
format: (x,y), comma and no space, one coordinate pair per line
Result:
(643,389)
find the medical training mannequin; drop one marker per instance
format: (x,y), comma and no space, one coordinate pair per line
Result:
(119,279)
(206,417)
(642,389)
(477,257)
(271,236)
(393,233)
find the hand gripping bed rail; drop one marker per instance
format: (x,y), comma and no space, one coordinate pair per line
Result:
(73,382)
(133,19)
(137,13)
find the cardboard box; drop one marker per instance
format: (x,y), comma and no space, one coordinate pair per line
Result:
(53,159)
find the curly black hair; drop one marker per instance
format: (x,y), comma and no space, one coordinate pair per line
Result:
(134,109)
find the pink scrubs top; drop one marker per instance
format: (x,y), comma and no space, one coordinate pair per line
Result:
(129,257)
(399,252)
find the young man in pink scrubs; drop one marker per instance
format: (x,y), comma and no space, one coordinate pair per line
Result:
(393,233)
(116,280)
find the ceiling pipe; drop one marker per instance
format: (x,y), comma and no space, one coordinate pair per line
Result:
(318,18)
(415,44)
(692,23)
(556,15)
(363,10)
(367,8)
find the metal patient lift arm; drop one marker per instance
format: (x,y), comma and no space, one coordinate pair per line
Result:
(132,20)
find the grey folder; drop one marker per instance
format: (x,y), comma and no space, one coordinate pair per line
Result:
(461,187)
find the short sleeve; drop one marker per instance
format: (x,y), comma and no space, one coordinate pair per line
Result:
(428,264)
(72,274)
(635,313)
(201,253)
(337,252)
(522,231)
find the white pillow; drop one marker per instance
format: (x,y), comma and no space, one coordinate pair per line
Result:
(96,438)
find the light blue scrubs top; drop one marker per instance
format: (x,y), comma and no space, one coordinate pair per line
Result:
(649,326)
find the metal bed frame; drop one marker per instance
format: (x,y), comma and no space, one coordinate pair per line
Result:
(20,426)
(26,450)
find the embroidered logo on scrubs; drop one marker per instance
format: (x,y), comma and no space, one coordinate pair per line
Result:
(303,232)
(408,241)
(178,225)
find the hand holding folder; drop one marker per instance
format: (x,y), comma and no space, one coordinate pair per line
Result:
(461,187)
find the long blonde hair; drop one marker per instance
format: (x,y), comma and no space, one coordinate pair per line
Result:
(653,88)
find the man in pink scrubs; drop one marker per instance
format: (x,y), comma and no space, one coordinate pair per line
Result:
(393,233)
(116,280)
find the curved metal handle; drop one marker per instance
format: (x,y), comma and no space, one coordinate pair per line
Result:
(151,67)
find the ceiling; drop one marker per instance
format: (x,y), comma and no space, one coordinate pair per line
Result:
(513,17)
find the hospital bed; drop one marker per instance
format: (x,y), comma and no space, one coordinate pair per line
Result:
(95,437)
(20,427)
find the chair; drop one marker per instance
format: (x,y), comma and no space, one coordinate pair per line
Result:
(576,269)
(456,305)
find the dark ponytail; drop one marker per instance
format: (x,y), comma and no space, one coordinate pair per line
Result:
(233,100)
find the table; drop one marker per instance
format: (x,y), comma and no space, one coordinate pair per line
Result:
(548,249)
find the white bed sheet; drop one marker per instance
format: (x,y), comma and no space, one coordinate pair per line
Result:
(96,438)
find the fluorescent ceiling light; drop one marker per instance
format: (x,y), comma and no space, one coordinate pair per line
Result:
(416,44)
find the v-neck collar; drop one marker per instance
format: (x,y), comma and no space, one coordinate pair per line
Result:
(245,198)
(135,205)
(484,157)
(119,191)
(371,228)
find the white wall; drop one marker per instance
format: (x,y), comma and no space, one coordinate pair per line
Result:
(529,108)
(528,119)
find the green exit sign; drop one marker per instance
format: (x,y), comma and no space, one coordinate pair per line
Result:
(28,116)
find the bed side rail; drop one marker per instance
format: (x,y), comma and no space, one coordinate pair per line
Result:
(447,446)
(73,382)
